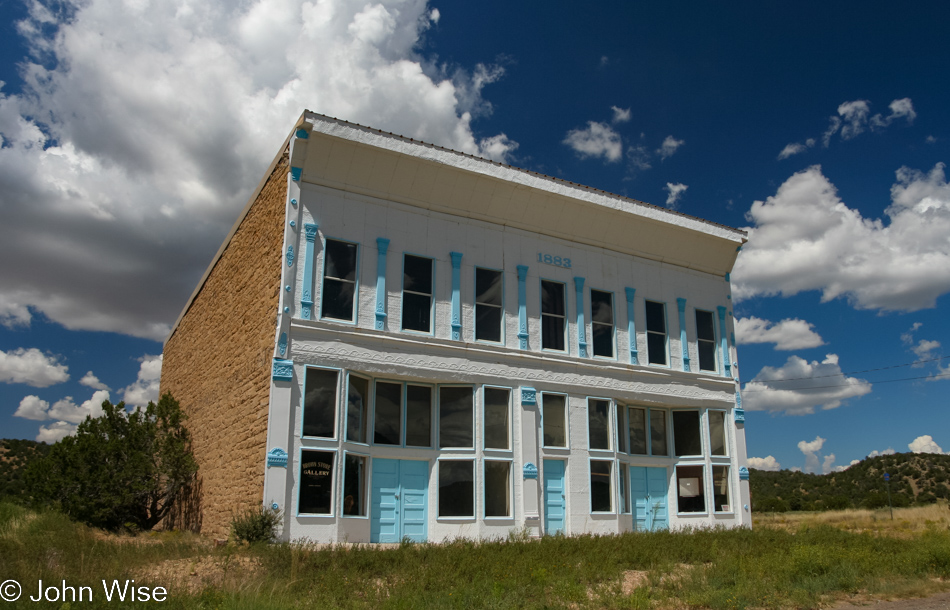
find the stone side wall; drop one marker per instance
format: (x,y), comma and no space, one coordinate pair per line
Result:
(218,362)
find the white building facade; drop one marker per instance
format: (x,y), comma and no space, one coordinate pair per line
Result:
(466,349)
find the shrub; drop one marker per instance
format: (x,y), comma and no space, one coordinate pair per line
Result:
(120,469)
(255,525)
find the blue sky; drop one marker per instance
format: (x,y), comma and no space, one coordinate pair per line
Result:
(133,132)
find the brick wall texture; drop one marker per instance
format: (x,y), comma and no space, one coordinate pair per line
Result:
(218,362)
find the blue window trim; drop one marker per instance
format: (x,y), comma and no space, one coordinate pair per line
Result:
(666,336)
(336,422)
(613,486)
(402,297)
(522,307)
(511,440)
(438,486)
(511,489)
(723,341)
(613,324)
(611,441)
(475,305)
(345,407)
(367,490)
(631,325)
(567,317)
(438,416)
(356,281)
(567,422)
(681,307)
(306,297)
(581,326)
(715,354)
(382,247)
(456,295)
(333,487)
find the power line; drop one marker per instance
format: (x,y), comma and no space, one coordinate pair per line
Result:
(842,385)
(883,368)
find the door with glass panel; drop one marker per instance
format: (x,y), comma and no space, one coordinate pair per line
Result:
(555,503)
(400,506)
(649,489)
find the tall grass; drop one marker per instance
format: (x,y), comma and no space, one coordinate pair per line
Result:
(769,567)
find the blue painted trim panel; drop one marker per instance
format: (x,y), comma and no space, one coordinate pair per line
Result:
(283,370)
(290,255)
(382,245)
(529,396)
(522,307)
(277,457)
(282,345)
(581,326)
(681,306)
(456,295)
(631,325)
(530,471)
(306,297)
(295,173)
(302,134)
(743,474)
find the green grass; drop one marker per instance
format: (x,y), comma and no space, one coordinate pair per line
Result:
(762,568)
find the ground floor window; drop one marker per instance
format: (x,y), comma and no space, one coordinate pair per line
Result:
(316,483)
(456,488)
(418,416)
(689,489)
(354,485)
(686,437)
(554,420)
(319,402)
(624,496)
(721,501)
(456,416)
(601,498)
(497,488)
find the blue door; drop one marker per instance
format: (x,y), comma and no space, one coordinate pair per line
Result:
(649,488)
(400,500)
(554,497)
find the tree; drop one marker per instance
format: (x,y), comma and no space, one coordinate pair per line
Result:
(124,468)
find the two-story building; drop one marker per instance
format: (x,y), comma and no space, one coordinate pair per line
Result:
(402,341)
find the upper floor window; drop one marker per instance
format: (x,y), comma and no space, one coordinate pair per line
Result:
(417,293)
(706,340)
(488,305)
(602,322)
(339,280)
(656,332)
(553,315)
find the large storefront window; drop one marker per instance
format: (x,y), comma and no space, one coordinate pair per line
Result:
(598,423)
(418,416)
(316,483)
(690,488)
(456,488)
(357,417)
(554,418)
(497,488)
(354,485)
(721,501)
(601,496)
(456,416)
(717,433)
(497,413)
(686,436)
(319,402)
(388,420)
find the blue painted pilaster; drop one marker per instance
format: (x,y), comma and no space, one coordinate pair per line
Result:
(522,307)
(581,327)
(456,295)
(725,340)
(631,325)
(382,245)
(681,306)
(306,298)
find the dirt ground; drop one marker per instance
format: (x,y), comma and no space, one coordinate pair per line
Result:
(941,601)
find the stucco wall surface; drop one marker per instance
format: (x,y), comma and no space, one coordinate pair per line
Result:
(217,363)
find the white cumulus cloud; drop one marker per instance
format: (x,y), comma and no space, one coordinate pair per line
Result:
(669,147)
(924,444)
(799,387)
(766,463)
(795,148)
(55,432)
(144,126)
(91,381)
(806,238)
(621,115)
(888,451)
(674,192)
(145,387)
(811,450)
(596,140)
(789,334)
(32,367)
